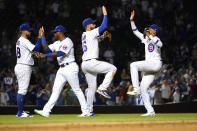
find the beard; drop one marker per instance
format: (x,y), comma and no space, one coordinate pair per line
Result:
(28,36)
(91,28)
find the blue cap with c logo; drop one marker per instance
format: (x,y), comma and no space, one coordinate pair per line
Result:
(59,28)
(155,27)
(25,27)
(88,21)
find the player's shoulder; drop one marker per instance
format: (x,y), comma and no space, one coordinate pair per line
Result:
(92,31)
(157,37)
(23,40)
(68,40)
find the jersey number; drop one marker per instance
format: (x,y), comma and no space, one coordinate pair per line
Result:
(85,48)
(18,52)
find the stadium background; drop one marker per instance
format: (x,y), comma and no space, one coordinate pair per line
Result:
(177,18)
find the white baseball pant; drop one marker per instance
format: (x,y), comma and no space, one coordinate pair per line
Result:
(68,73)
(150,67)
(23,75)
(91,68)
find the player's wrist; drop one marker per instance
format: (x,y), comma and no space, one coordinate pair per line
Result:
(43,40)
(48,55)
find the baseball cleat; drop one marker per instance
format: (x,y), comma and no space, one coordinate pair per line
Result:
(24,114)
(103,93)
(41,113)
(135,92)
(85,115)
(149,114)
(93,114)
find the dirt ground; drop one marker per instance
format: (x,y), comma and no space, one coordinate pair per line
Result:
(189,125)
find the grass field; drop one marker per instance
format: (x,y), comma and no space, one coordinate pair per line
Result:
(115,122)
(12,119)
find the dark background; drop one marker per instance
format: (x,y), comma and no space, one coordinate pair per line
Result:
(176,19)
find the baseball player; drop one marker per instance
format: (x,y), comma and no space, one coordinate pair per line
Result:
(151,65)
(68,71)
(23,68)
(90,65)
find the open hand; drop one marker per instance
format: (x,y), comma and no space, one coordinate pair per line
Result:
(132,15)
(104,10)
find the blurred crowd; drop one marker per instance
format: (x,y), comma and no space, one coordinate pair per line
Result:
(175,83)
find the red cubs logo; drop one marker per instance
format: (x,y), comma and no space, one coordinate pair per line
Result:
(151,47)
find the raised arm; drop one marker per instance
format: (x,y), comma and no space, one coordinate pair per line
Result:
(103,26)
(134,28)
(44,43)
(37,46)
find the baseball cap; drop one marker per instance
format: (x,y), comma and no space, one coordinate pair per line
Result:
(25,27)
(88,21)
(155,27)
(59,28)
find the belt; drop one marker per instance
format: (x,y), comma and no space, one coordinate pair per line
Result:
(90,59)
(63,65)
(24,64)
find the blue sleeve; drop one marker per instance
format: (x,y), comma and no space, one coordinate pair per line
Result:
(59,53)
(44,40)
(103,25)
(49,55)
(37,45)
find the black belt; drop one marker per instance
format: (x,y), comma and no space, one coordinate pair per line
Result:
(63,65)
(90,59)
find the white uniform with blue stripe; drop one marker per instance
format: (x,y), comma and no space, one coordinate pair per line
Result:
(152,44)
(23,68)
(151,65)
(68,72)
(65,46)
(91,66)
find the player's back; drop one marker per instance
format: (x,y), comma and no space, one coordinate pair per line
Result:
(90,44)
(23,51)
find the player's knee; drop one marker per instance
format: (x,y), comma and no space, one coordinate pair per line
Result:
(132,65)
(114,69)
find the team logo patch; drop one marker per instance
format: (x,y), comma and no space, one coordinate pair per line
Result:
(83,37)
(151,47)
(64,47)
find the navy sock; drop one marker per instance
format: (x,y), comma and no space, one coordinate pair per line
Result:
(20,102)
